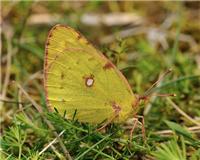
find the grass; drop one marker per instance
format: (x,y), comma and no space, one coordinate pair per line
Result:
(30,131)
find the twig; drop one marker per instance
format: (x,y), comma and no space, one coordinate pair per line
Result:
(31,78)
(8,65)
(182,112)
(38,107)
(195,129)
(20,100)
(36,75)
(51,143)
(6,100)
(0,58)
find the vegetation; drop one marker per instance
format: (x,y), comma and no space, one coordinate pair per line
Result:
(144,40)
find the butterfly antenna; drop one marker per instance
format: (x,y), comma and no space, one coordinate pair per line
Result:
(165,95)
(149,93)
(146,93)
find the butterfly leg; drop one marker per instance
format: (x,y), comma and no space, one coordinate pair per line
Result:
(143,127)
(134,126)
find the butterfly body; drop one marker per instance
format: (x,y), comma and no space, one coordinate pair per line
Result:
(78,78)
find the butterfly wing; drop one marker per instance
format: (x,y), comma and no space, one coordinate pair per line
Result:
(78,78)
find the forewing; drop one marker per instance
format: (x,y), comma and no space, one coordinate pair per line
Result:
(78,78)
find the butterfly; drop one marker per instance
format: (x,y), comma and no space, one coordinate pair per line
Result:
(79,78)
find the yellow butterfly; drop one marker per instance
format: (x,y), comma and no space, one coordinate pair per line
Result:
(79,78)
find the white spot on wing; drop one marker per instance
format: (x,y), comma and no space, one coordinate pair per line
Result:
(89,82)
